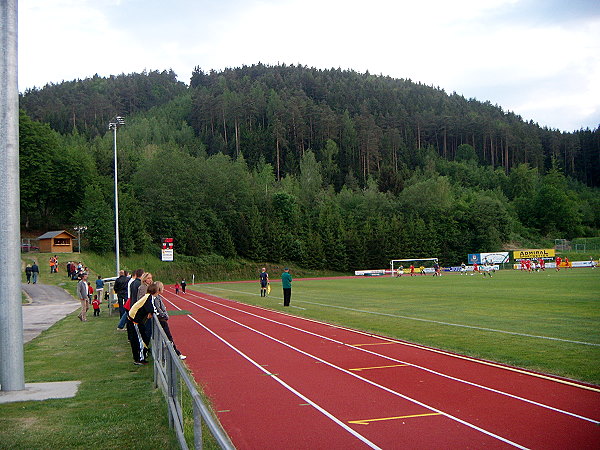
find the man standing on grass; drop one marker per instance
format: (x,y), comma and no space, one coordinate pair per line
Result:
(82,293)
(286,282)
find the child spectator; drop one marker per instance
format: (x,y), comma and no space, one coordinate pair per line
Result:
(176,288)
(96,306)
(90,291)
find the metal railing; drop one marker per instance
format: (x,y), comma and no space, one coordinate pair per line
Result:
(172,377)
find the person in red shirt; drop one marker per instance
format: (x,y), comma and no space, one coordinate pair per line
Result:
(558,261)
(528,265)
(567,264)
(412,270)
(475,268)
(542,264)
(96,306)
(522,262)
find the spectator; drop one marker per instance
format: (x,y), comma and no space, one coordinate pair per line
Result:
(120,288)
(35,270)
(82,293)
(96,306)
(99,287)
(138,315)
(183,285)
(177,288)
(28,273)
(163,316)
(132,290)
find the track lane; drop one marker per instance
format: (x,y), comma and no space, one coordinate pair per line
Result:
(344,355)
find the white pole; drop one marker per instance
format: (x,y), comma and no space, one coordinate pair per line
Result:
(117,249)
(12,376)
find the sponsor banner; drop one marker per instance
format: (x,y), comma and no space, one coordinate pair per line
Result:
(370,272)
(494,258)
(167,254)
(533,254)
(474,258)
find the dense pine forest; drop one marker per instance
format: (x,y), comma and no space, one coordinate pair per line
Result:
(326,168)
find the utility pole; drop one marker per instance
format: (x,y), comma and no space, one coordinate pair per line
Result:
(12,376)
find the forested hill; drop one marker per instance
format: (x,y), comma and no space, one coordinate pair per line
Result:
(326,168)
(279,112)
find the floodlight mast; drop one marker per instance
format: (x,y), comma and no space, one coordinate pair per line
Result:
(118,122)
(12,370)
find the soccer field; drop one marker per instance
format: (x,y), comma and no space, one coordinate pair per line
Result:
(547,321)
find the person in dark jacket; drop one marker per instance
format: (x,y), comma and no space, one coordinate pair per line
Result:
(35,271)
(28,273)
(120,288)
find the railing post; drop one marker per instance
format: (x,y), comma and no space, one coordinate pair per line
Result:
(197,426)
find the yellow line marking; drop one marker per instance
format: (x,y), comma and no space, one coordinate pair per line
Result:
(366,421)
(378,367)
(376,343)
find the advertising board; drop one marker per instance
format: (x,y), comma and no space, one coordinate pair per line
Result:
(534,254)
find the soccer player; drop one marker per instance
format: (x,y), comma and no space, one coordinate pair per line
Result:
(487,269)
(463,268)
(567,263)
(542,264)
(528,265)
(422,268)
(264,281)
(400,271)
(412,270)
(558,260)
(475,268)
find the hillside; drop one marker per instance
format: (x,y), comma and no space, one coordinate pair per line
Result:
(330,169)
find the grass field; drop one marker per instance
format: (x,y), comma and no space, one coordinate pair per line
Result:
(547,321)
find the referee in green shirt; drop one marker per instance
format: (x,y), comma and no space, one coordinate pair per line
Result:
(286,281)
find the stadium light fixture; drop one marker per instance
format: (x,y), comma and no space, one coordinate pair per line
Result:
(79,229)
(114,125)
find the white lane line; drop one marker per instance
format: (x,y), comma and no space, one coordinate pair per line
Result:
(279,380)
(384,388)
(397,316)
(496,391)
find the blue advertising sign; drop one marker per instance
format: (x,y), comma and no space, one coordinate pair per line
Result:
(475,258)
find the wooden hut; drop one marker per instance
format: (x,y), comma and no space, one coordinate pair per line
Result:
(56,242)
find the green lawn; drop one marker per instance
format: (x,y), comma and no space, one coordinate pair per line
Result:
(545,321)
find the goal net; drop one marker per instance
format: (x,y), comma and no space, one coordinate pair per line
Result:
(425,263)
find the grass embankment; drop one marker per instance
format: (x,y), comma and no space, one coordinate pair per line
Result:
(207,268)
(116,405)
(522,319)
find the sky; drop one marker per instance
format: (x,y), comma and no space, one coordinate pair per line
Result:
(537,58)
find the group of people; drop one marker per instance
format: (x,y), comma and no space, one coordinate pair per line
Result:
(535,265)
(32,272)
(139,298)
(75,271)
(485,269)
(286,282)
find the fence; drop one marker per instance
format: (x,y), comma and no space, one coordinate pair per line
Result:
(172,377)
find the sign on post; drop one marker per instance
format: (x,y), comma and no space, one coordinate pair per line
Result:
(167,249)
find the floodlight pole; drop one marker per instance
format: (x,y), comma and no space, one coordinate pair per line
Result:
(119,121)
(12,376)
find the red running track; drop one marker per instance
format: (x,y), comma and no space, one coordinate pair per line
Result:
(280,381)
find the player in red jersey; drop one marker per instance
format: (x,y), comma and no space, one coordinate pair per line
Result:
(558,260)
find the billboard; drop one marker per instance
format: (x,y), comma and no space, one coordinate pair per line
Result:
(167,249)
(533,254)
(493,258)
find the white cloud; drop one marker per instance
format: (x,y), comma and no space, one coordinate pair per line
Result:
(543,68)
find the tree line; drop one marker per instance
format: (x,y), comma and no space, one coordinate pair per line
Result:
(330,169)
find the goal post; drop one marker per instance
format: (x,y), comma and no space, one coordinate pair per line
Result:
(417,262)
